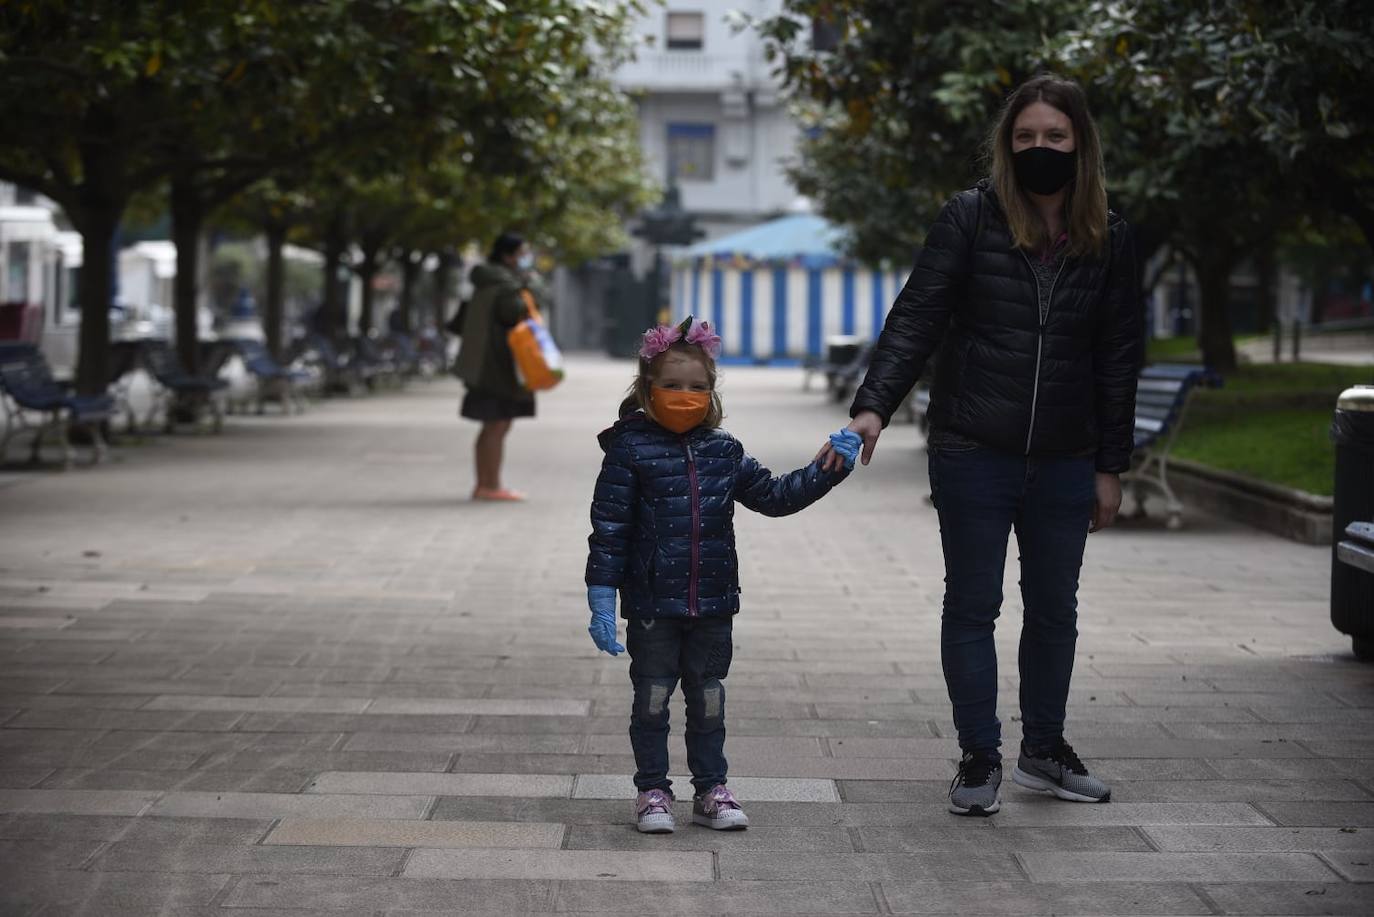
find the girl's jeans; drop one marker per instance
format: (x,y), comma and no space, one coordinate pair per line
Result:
(982,495)
(697,652)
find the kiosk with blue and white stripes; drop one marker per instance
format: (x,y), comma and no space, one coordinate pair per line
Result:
(778,290)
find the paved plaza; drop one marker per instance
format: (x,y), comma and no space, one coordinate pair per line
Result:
(291,669)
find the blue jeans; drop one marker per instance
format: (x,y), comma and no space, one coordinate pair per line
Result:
(664,651)
(982,495)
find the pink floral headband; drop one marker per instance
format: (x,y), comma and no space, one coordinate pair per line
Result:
(658,340)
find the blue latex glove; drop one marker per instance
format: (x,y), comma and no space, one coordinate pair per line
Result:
(601,599)
(847,443)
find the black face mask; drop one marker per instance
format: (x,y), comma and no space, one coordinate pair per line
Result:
(1042,170)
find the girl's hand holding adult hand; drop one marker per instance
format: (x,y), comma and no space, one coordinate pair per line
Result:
(1107,502)
(869,426)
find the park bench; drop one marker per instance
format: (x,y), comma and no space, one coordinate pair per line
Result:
(1161,400)
(183,391)
(27,385)
(377,368)
(1357,547)
(1162,394)
(276,382)
(340,371)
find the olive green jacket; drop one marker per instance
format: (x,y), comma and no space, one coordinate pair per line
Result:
(484,361)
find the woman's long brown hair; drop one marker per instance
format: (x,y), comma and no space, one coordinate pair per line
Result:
(1086,202)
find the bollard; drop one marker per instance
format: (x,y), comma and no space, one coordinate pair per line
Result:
(1352,588)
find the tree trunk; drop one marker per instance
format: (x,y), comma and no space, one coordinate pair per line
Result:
(1214,325)
(274,308)
(188,219)
(367,274)
(95,288)
(443,275)
(335,306)
(411,262)
(1267,294)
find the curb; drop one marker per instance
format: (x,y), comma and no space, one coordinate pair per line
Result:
(1294,514)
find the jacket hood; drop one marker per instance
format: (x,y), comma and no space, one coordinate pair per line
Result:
(636,421)
(487,274)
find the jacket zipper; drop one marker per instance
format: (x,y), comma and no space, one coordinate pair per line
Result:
(1039,338)
(696,527)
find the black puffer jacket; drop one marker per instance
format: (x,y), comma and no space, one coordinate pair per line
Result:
(663,516)
(1003,379)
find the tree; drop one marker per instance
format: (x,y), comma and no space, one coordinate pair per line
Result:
(78,88)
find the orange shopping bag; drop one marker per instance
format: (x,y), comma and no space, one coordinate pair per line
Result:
(538,361)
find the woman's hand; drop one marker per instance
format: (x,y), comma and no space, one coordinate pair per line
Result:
(869,426)
(1107,503)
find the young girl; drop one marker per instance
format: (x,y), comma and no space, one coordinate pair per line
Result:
(663,536)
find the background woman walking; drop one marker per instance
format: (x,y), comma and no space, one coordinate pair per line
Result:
(1030,283)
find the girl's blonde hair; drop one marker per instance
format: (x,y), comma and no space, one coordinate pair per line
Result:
(641,390)
(1086,204)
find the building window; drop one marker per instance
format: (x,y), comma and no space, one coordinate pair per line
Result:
(17,275)
(691,152)
(686,31)
(825,33)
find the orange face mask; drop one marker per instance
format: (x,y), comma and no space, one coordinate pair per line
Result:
(679,411)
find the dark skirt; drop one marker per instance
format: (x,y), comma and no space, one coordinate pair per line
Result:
(486,407)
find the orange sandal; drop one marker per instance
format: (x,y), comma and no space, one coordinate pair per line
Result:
(497,495)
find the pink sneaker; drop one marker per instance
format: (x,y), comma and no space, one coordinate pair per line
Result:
(719,809)
(654,812)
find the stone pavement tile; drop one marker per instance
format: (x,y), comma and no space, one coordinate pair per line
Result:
(1291,768)
(963,866)
(1363,748)
(1034,810)
(126,719)
(76,701)
(405,833)
(259,704)
(1320,814)
(1236,790)
(1274,732)
(944,749)
(92,894)
(92,756)
(271,805)
(174,831)
(1357,866)
(267,780)
(965,836)
(1292,898)
(526,785)
(50,827)
(460,742)
(375,689)
(741,765)
(1022,899)
(623,836)
(327,893)
(1081,866)
(27,739)
(479,707)
(112,779)
(29,855)
(759,789)
(206,742)
(619,865)
(266,758)
(14,622)
(717,897)
(138,856)
(1207,838)
(22,778)
(921,791)
(76,802)
(778,747)
(339,722)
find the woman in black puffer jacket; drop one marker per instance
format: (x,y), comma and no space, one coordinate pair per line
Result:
(1028,284)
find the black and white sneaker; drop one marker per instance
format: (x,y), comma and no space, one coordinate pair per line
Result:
(975,790)
(1057,770)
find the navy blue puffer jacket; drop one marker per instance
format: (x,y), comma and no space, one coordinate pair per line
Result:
(663,516)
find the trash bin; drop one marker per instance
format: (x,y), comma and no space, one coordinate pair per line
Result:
(1352,588)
